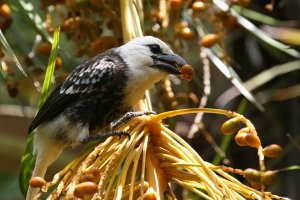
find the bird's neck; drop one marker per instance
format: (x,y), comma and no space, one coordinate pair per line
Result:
(136,90)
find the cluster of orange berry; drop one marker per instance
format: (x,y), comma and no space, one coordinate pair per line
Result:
(256,177)
(84,22)
(245,137)
(87,183)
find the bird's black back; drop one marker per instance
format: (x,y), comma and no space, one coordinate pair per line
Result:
(92,94)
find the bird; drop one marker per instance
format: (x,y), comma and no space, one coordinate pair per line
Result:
(97,92)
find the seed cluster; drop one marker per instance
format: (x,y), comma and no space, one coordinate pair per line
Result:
(146,165)
(246,137)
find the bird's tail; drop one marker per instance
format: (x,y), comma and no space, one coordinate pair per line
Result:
(46,151)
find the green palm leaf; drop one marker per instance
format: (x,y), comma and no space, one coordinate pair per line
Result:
(28,159)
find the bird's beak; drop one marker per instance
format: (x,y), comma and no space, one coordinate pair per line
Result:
(171,63)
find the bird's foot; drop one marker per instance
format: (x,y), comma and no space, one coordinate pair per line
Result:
(112,129)
(103,136)
(129,116)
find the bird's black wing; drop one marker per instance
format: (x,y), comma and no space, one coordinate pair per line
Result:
(89,77)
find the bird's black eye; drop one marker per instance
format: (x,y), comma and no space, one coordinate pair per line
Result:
(154,48)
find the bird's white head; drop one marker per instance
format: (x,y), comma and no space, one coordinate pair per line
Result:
(149,60)
(149,57)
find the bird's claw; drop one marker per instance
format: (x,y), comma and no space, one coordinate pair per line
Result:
(125,133)
(129,116)
(103,136)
